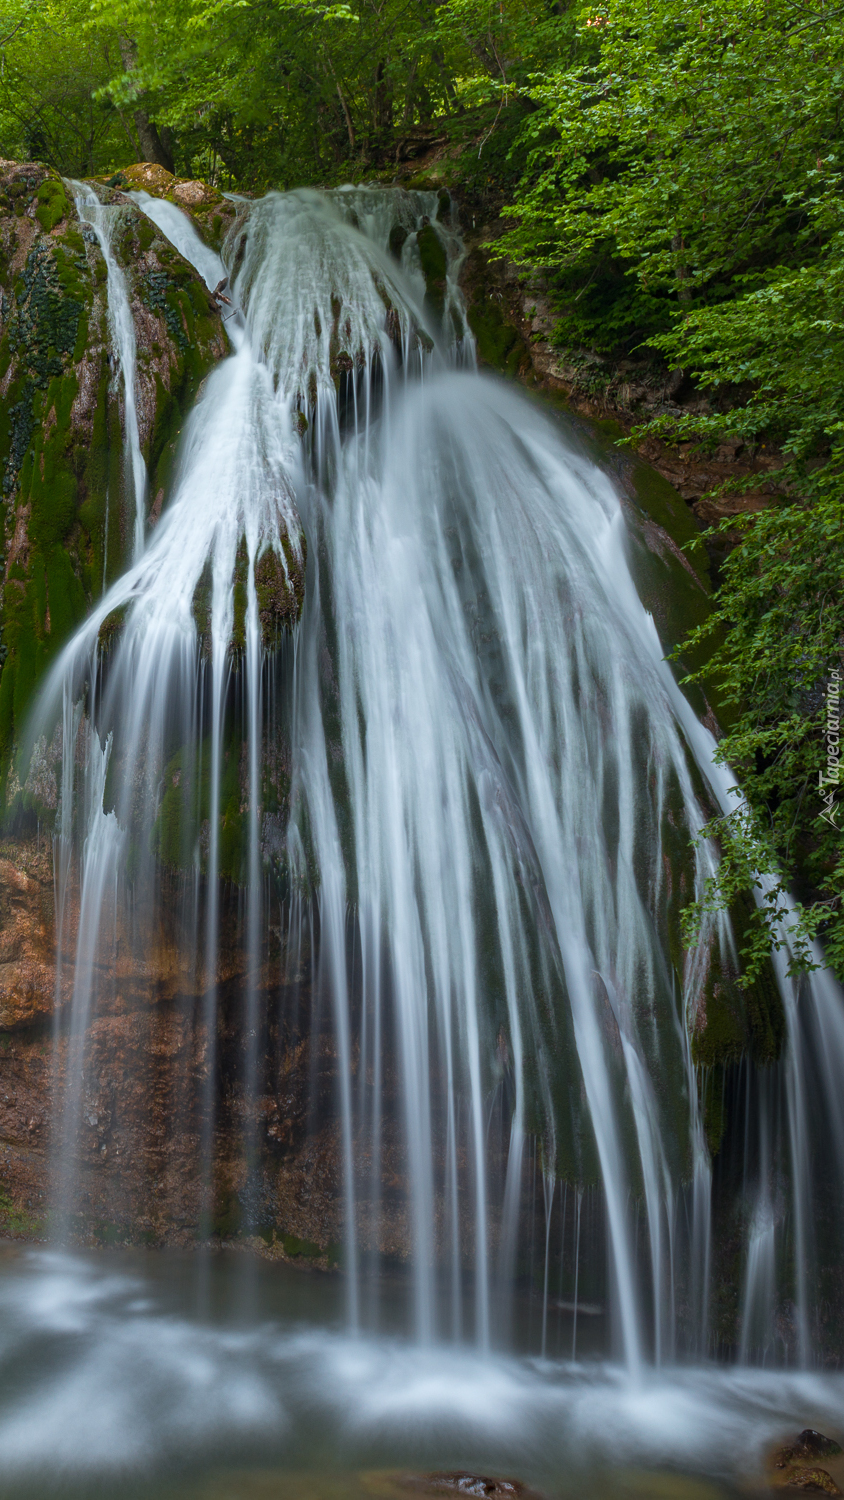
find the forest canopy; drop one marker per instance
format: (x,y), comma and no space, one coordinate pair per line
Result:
(672,172)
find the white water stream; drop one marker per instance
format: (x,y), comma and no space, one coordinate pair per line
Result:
(490,763)
(103,221)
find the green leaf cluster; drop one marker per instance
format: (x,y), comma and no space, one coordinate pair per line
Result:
(684,193)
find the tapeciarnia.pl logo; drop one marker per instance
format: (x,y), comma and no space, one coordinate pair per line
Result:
(831,777)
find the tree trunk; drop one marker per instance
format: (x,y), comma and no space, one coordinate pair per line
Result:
(153,148)
(383,112)
(152,145)
(684,293)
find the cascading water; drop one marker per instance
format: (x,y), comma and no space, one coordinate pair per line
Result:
(492,788)
(103,220)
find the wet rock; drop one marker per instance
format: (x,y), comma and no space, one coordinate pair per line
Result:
(434,263)
(110,631)
(816,1481)
(499,343)
(66,516)
(280,587)
(398,235)
(460,1482)
(809,1445)
(27,943)
(211,212)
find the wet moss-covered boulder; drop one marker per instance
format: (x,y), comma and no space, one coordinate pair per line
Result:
(434,262)
(280,592)
(212,214)
(66,519)
(280,587)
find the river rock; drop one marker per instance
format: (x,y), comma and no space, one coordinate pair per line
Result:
(461,1482)
(809,1445)
(817,1481)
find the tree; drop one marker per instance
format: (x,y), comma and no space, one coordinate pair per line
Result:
(685,183)
(53,65)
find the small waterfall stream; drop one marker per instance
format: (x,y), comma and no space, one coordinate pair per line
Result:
(102,220)
(493,791)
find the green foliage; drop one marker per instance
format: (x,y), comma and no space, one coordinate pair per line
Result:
(53,64)
(677,148)
(258,94)
(683,191)
(782,614)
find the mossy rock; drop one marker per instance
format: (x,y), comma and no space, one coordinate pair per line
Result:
(298,1249)
(280,590)
(280,587)
(212,214)
(434,262)
(398,235)
(52,203)
(500,346)
(735,1022)
(111,630)
(67,517)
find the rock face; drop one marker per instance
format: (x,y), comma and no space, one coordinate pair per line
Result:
(212,213)
(67,523)
(153,1091)
(66,520)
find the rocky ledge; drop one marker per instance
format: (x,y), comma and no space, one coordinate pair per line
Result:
(66,518)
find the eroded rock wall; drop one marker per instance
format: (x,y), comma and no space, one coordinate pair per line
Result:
(66,521)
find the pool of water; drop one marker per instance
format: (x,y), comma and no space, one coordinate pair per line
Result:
(150,1375)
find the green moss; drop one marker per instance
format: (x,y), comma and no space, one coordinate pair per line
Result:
(51,485)
(184,800)
(723,1036)
(499,344)
(300,1249)
(280,588)
(52,203)
(7,694)
(233,839)
(81,339)
(111,629)
(74,241)
(434,266)
(26,668)
(201,609)
(16,1221)
(185,807)
(398,235)
(241,569)
(71,483)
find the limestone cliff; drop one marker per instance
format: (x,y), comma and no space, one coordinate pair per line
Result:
(66,521)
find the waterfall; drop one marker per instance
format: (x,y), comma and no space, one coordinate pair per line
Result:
(494,794)
(103,221)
